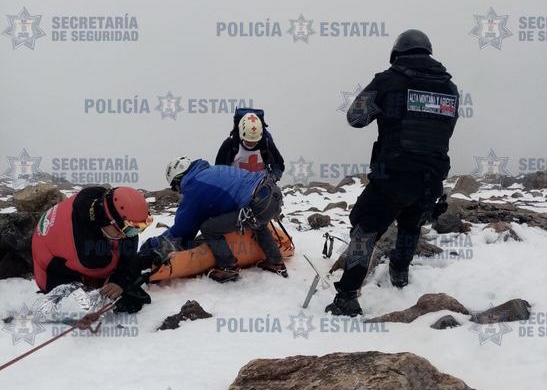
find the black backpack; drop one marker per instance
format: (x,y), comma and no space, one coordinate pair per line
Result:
(240,112)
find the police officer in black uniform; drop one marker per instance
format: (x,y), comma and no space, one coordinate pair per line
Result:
(415,104)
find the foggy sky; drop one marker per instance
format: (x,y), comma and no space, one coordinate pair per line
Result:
(298,84)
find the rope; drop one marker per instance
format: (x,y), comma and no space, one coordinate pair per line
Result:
(84,322)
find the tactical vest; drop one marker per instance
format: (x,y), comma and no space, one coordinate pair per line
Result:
(418,120)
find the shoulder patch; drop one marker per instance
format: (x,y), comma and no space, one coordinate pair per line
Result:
(432,102)
(46,221)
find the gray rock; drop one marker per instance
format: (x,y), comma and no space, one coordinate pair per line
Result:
(317,221)
(37,198)
(349,180)
(466,185)
(16,231)
(326,186)
(313,191)
(165,199)
(448,223)
(5,190)
(342,205)
(345,371)
(535,181)
(445,322)
(536,194)
(313,209)
(517,195)
(451,220)
(504,230)
(191,310)
(508,181)
(479,212)
(427,303)
(513,310)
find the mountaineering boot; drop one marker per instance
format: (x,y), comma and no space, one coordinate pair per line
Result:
(345,304)
(399,277)
(224,274)
(279,269)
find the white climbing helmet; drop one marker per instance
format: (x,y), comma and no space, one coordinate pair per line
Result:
(250,128)
(176,168)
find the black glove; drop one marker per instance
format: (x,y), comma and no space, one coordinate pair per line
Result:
(132,300)
(157,255)
(440,207)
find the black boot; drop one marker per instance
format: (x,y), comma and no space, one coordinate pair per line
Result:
(345,304)
(399,277)
(279,269)
(224,274)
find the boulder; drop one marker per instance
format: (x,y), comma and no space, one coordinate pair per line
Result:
(480,212)
(427,303)
(466,185)
(445,322)
(191,310)
(535,181)
(342,205)
(16,231)
(318,221)
(164,199)
(349,180)
(37,198)
(513,310)
(326,186)
(345,371)
(503,232)
(313,190)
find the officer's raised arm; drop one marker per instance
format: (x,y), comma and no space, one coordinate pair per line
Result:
(364,108)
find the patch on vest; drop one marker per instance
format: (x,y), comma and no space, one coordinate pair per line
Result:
(46,221)
(431,102)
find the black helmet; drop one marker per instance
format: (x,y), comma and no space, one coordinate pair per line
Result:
(409,40)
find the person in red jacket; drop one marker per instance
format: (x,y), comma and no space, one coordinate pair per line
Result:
(92,237)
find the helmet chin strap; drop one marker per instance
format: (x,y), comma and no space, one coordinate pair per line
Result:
(108,236)
(247,147)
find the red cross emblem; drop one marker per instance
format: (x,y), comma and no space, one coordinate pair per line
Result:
(252,165)
(253,118)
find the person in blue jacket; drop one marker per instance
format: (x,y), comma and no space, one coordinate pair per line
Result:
(218,200)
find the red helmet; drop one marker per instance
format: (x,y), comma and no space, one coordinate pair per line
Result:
(129,204)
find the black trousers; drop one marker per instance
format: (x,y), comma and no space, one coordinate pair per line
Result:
(265,205)
(403,197)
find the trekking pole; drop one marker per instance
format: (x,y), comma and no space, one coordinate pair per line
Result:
(285,231)
(83,323)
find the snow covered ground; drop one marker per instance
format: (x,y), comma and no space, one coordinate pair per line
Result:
(260,316)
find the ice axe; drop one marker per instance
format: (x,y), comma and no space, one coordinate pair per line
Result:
(315,282)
